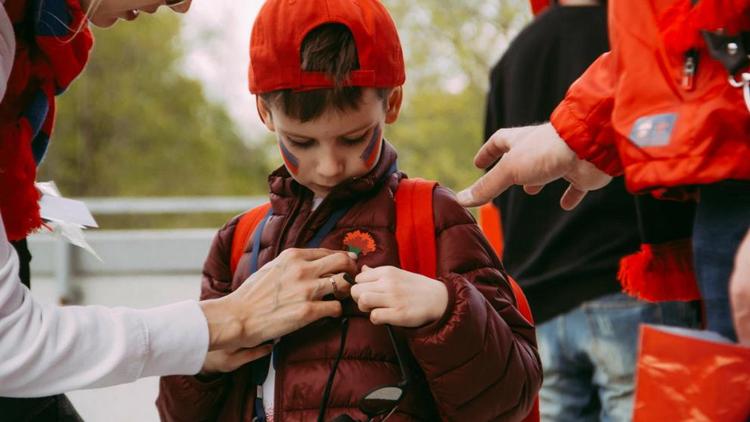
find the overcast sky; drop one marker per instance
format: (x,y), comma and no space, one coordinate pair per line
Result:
(217,33)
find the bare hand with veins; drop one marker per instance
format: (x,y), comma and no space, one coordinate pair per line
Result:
(531,156)
(398,297)
(281,297)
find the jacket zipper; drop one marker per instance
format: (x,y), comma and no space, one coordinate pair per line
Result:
(689,68)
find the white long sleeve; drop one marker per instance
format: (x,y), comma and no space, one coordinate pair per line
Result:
(7,49)
(46,350)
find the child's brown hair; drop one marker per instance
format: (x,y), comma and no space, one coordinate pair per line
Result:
(330,49)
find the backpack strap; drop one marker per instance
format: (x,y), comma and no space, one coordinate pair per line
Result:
(417,250)
(489,222)
(244,229)
(415,226)
(415,235)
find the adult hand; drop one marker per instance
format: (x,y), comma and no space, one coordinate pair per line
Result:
(397,297)
(739,289)
(531,156)
(281,297)
(220,361)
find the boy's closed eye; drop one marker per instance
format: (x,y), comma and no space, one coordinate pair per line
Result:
(303,143)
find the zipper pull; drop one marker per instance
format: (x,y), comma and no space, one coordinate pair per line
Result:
(689,69)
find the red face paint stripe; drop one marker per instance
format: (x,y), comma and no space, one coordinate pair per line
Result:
(372,151)
(291,162)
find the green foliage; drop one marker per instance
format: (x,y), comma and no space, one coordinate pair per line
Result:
(450,46)
(134,125)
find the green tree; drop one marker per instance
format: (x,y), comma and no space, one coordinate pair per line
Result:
(134,125)
(449,46)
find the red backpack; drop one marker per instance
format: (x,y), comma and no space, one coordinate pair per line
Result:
(415,231)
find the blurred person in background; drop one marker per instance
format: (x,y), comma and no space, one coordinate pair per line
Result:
(668,107)
(567,261)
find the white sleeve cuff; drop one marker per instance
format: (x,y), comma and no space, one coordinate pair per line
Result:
(177,340)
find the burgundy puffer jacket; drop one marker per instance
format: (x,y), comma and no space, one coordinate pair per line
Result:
(478,363)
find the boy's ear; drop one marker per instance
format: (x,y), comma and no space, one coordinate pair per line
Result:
(264,113)
(394,104)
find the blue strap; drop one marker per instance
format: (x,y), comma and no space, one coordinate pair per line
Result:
(326,228)
(260,411)
(256,242)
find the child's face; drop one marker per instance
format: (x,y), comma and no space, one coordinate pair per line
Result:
(338,145)
(104,13)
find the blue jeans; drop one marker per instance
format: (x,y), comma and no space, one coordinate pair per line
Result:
(721,220)
(589,356)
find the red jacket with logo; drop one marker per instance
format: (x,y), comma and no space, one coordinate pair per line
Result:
(631,111)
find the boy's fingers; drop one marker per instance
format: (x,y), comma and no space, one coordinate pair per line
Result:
(367,301)
(382,316)
(368,275)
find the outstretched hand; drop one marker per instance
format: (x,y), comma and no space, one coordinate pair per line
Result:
(281,297)
(398,297)
(531,156)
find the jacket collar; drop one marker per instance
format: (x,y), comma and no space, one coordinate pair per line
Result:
(284,188)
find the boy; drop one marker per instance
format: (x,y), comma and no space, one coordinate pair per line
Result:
(328,76)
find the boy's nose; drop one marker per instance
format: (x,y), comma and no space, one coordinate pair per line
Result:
(331,167)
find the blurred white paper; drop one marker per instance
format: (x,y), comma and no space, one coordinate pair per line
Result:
(75,235)
(64,210)
(66,217)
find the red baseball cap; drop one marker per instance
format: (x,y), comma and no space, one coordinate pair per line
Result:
(281,25)
(538,6)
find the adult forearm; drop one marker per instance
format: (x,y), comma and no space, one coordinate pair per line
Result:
(49,349)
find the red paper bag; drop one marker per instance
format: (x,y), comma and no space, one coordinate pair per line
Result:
(691,375)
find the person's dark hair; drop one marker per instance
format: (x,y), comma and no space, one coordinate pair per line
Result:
(330,49)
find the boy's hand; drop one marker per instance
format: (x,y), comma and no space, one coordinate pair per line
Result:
(225,360)
(397,297)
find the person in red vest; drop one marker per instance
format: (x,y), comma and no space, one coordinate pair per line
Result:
(44,45)
(668,107)
(327,86)
(567,261)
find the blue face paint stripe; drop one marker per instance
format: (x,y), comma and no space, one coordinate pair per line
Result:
(371,146)
(288,155)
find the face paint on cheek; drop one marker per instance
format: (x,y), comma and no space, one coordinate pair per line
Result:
(372,151)
(291,162)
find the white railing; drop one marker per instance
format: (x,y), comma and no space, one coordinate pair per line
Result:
(124,252)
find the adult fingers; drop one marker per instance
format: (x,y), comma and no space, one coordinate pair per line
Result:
(243,356)
(493,149)
(572,197)
(309,255)
(340,262)
(333,284)
(532,189)
(313,311)
(495,182)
